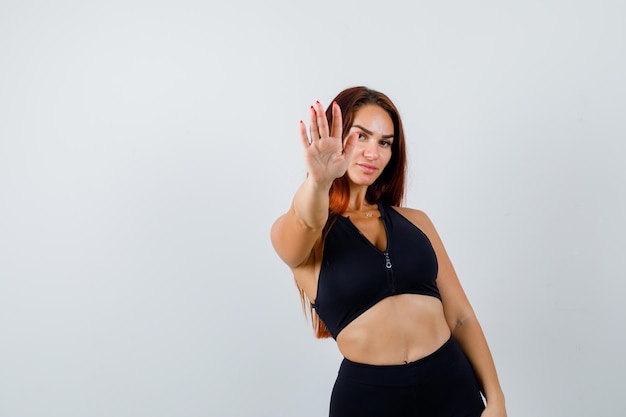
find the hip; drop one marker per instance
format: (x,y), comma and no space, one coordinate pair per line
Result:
(440,384)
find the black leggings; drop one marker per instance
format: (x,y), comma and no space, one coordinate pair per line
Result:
(441,384)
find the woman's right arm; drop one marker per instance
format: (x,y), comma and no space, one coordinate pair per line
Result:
(295,232)
(326,156)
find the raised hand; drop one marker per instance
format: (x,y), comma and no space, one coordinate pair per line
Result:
(326,152)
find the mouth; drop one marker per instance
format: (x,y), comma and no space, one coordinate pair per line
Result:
(367,168)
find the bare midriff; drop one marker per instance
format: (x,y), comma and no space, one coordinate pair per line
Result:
(397,330)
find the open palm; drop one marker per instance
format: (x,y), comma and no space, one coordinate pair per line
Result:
(326,152)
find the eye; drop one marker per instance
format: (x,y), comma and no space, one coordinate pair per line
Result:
(361,136)
(385,143)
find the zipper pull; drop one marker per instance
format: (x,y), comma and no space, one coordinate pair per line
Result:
(387,260)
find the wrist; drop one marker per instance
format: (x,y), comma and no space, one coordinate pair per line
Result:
(319,185)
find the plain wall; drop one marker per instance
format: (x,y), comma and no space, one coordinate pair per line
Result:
(147,147)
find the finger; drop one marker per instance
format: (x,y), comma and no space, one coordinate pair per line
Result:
(313,129)
(337,127)
(303,136)
(322,122)
(348,144)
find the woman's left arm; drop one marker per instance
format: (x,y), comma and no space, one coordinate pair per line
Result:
(463,322)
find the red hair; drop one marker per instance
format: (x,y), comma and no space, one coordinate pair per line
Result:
(388,188)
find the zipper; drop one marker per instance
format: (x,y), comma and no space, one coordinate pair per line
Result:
(388,264)
(392,283)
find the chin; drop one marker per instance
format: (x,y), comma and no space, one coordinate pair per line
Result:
(362,181)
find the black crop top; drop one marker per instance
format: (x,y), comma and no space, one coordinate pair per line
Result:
(355,274)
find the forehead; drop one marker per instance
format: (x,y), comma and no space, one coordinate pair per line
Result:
(374,118)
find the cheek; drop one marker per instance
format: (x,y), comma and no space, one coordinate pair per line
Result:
(387,156)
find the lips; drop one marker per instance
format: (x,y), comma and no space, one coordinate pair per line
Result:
(367,168)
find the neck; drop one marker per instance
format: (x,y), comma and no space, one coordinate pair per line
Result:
(365,209)
(358,203)
(357,198)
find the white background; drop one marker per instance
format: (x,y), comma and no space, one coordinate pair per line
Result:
(146,148)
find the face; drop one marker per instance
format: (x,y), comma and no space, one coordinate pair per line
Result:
(372,145)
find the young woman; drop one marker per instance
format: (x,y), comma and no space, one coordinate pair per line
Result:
(377,274)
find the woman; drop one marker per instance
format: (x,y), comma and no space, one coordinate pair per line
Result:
(380,281)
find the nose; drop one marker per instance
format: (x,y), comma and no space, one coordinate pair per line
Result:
(371,151)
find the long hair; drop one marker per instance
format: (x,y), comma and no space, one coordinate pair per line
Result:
(388,188)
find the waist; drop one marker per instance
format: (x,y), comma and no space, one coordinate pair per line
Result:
(397,330)
(403,374)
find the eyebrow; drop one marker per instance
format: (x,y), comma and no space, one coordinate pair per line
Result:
(370,133)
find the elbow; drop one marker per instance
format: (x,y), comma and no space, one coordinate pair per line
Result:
(460,322)
(293,244)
